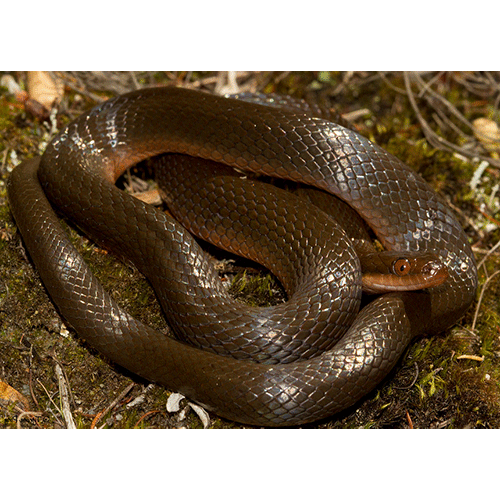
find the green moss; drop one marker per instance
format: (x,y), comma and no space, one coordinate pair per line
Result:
(259,290)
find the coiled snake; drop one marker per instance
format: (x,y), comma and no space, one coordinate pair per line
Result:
(297,380)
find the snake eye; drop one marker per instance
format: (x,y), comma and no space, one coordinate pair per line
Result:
(401,267)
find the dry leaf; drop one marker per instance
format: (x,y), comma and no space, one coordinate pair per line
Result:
(9,394)
(44,89)
(173,406)
(488,132)
(152,197)
(173,401)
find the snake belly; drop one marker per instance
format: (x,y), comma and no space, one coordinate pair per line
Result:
(77,174)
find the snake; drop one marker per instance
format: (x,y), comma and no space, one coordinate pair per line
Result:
(305,376)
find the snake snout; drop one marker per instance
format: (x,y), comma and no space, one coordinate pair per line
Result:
(437,270)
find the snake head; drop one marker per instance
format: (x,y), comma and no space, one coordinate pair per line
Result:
(385,272)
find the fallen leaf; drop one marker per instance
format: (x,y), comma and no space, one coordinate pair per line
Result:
(10,395)
(44,89)
(173,406)
(173,402)
(488,132)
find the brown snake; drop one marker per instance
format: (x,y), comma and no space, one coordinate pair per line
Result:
(77,173)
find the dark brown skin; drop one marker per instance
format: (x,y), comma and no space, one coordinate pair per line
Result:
(396,271)
(78,170)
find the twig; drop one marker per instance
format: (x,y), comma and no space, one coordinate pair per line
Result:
(486,283)
(471,356)
(390,84)
(490,251)
(453,110)
(64,398)
(226,83)
(112,405)
(52,401)
(134,80)
(412,382)
(408,418)
(147,414)
(436,140)
(27,414)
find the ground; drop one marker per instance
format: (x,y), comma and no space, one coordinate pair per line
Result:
(451,380)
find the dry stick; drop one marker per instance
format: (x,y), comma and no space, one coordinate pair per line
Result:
(483,87)
(112,405)
(27,414)
(481,263)
(486,283)
(134,80)
(427,85)
(443,100)
(436,140)
(490,251)
(64,398)
(81,89)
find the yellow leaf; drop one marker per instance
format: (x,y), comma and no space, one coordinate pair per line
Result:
(9,394)
(488,132)
(44,89)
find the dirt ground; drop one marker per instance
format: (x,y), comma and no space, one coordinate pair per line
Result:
(451,380)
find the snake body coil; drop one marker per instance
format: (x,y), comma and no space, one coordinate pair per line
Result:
(77,173)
